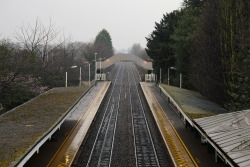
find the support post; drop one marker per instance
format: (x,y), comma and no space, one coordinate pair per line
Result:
(95,67)
(66,79)
(168,76)
(180,80)
(155,79)
(89,74)
(216,156)
(160,75)
(100,70)
(80,77)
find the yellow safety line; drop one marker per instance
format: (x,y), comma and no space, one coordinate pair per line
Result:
(69,134)
(172,147)
(173,128)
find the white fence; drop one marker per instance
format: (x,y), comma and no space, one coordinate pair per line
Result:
(149,77)
(101,77)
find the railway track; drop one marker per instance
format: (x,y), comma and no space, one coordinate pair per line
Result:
(122,134)
(144,146)
(101,153)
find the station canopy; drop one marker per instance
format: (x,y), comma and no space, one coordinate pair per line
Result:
(231,133)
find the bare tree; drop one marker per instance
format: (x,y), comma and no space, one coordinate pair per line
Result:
(50,52)
(135,49)
(38,40)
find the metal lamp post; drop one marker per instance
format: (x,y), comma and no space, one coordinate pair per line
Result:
(168,76)
(66,76)
(66,79)
(86,62)
(80,77)
(95,65)
(160,75)
(89,74)
(100,68)
(173,68)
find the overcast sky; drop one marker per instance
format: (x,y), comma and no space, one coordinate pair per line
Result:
(127,21)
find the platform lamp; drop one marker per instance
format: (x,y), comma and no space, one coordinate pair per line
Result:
(66,76)
(95,65)
(173,68)
(86,62)
(100,60)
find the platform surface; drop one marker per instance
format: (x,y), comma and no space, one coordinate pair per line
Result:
(189,137)
(193,104)
(24,126)
(84,114)
(177,149)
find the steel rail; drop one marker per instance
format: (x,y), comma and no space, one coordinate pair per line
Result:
(131,112)
(147,126)
(92,150)
(105,117)
(113,136)
(116,120)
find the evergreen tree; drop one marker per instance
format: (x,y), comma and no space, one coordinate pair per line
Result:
(222,59)
(208,42)
(159,43)
(184,34)
(103,44)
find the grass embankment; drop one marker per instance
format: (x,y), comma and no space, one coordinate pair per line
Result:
(25,125)
(192,103)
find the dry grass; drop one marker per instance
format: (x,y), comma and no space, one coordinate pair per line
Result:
(23,126)
(192,103)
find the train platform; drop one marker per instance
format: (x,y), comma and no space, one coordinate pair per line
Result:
(177,149)
(27,128)
(200,152)
(83,115)
(189,105)
(225,134)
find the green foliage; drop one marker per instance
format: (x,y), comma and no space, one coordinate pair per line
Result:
(17,94)
(103,44)
(239,97)
(183,36)
(192,4)
(225,50)
(159,43)
(21,76)
(38,63)
(206,62)
(208,42)
(53,79)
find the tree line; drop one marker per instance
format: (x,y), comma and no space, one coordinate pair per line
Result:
(207,41)
(39,58)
